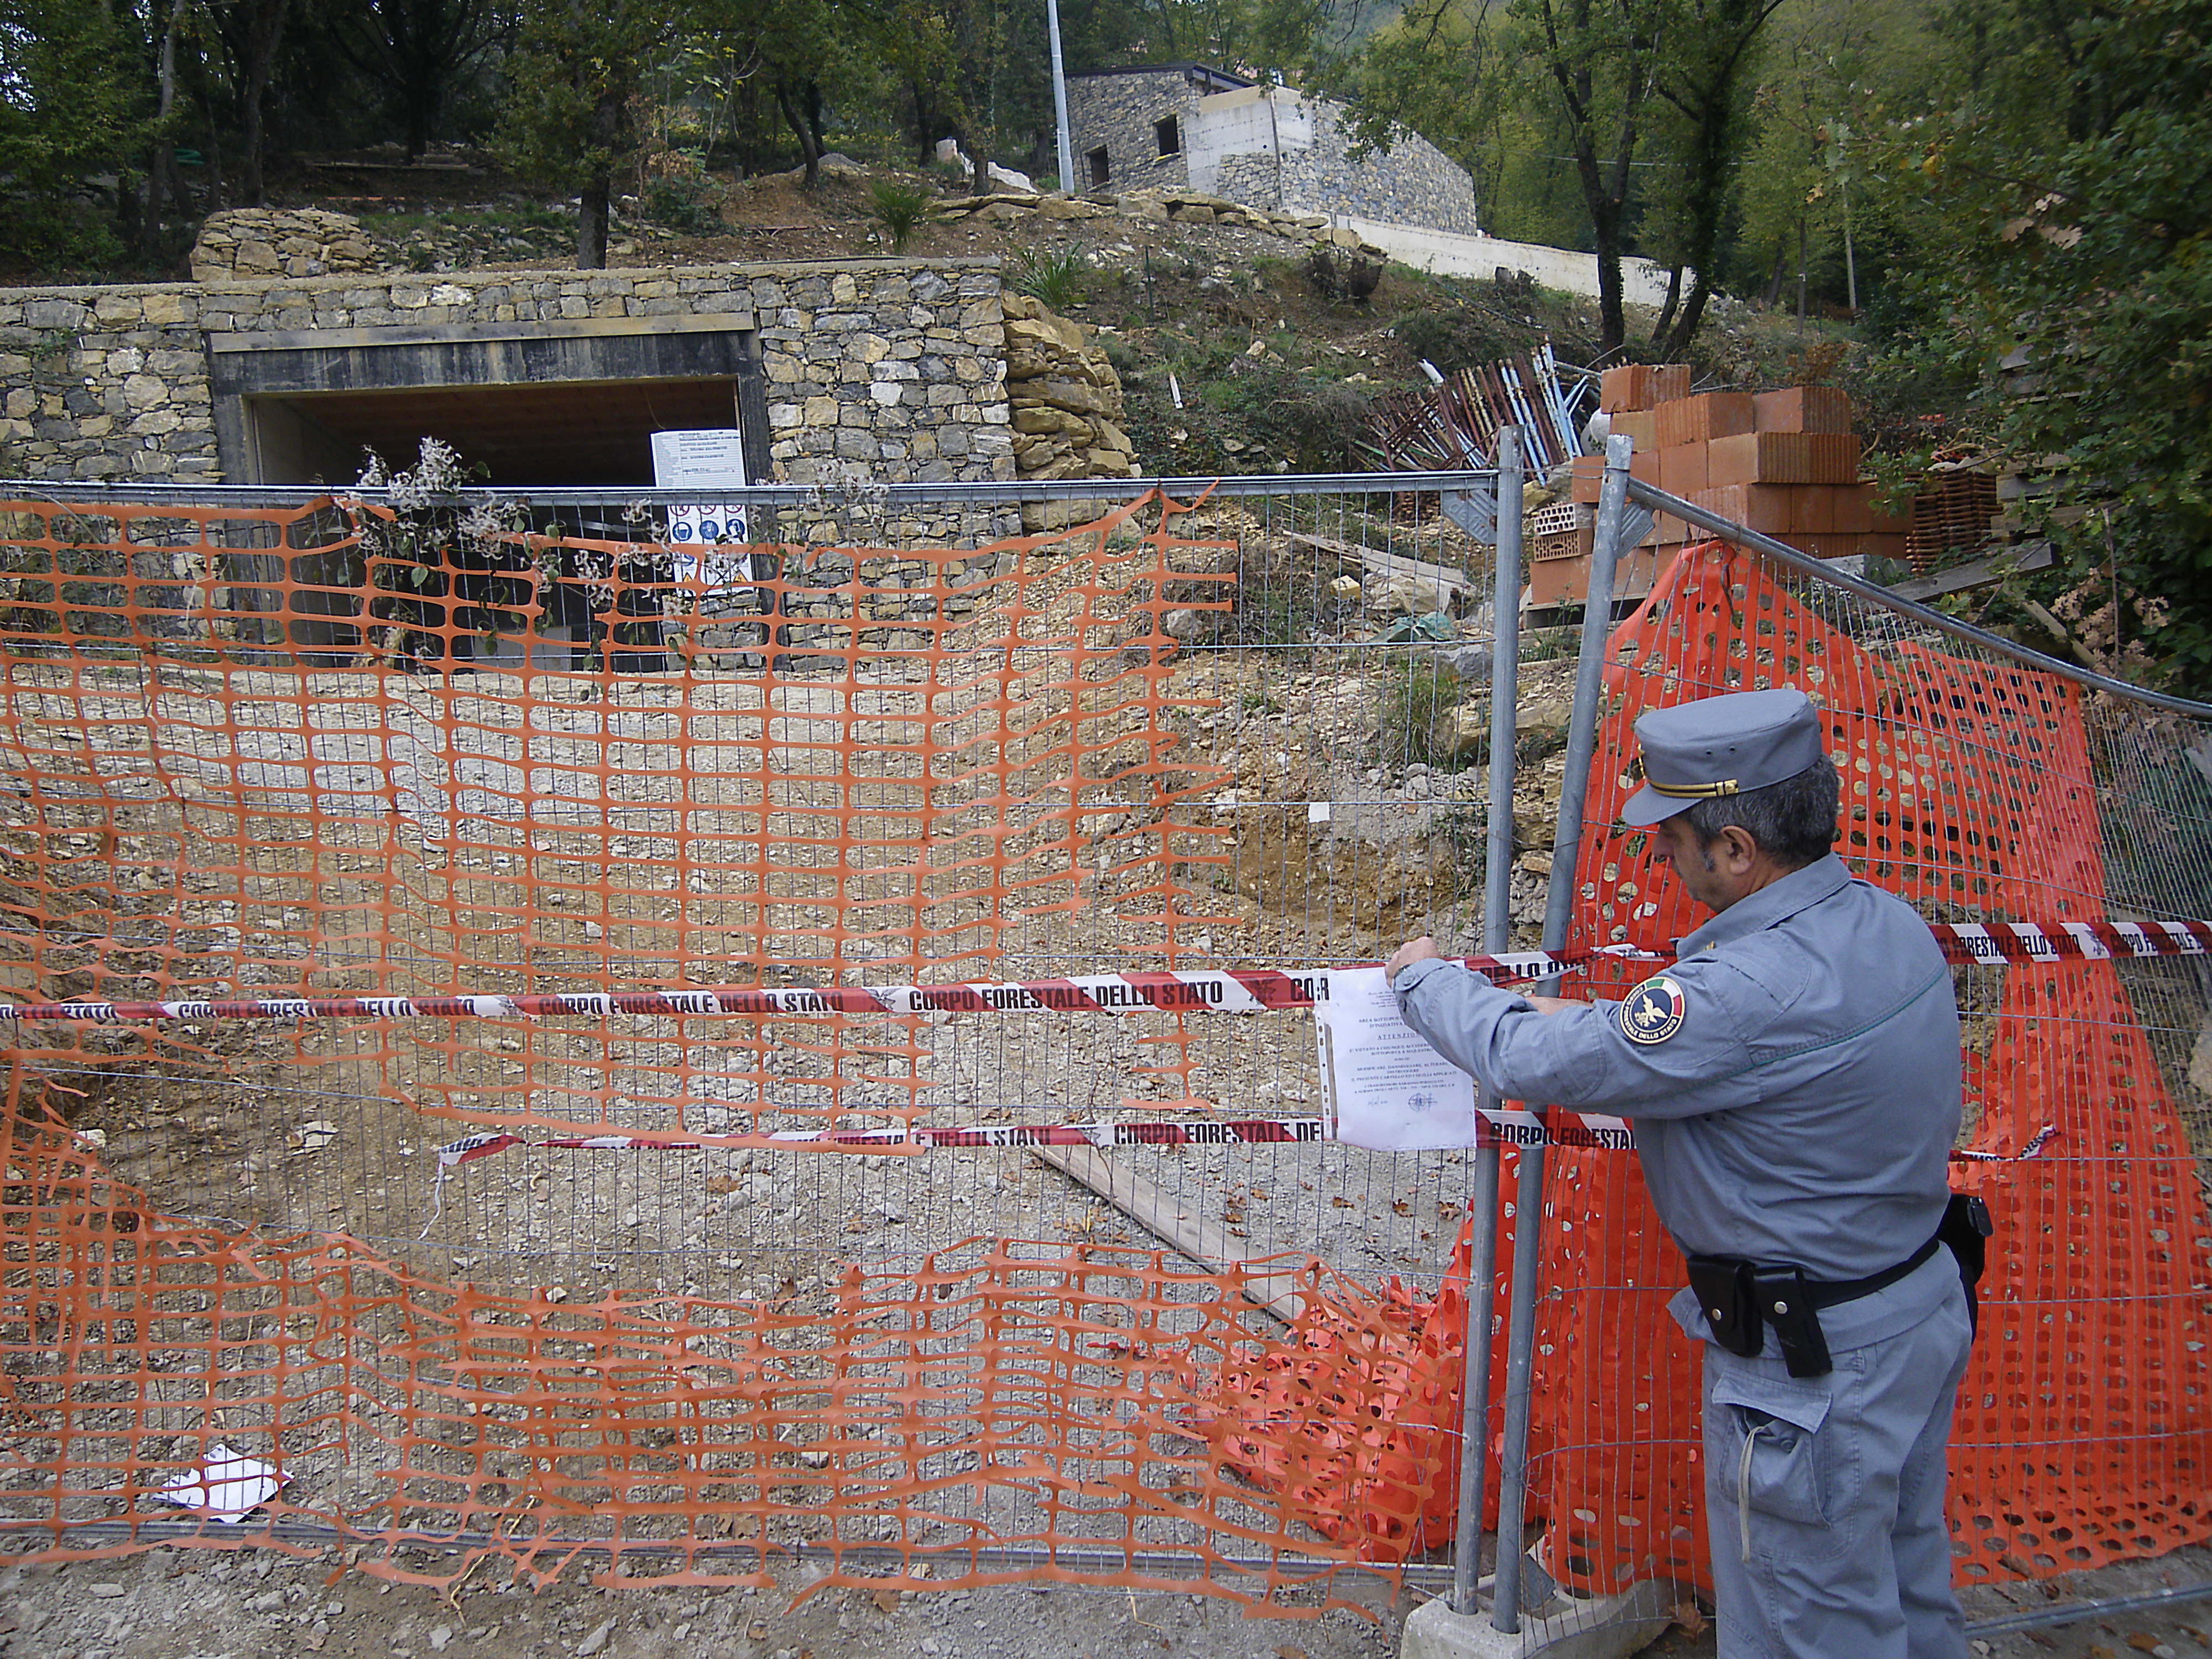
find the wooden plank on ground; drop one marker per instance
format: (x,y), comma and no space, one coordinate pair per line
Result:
(1977,573)
(1453,583)
(1167,1218)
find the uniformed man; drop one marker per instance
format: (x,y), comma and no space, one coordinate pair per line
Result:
(1793,1084)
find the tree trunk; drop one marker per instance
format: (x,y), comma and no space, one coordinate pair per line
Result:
(129,211)
(807,148)
(1612,314)
(1705,92)
(978,161)
(1776,273)
(421,120)
(165,191)
(610,136)
(592,223)
(265,34)
(1686,326)
(1667,311)
(1801,274)
(1603,196)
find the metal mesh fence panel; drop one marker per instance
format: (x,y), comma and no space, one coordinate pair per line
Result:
(652,1297)
(689,1281)
(2053,828)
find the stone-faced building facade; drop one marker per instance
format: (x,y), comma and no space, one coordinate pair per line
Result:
(1185,127)
(896,369)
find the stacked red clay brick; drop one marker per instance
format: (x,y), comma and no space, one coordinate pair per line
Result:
(1785,463)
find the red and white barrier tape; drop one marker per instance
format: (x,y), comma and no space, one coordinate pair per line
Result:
(1218,991)
(1230,991)
(1502,1127)
(1189,1132)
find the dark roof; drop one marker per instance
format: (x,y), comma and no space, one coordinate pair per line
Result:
(1199,73)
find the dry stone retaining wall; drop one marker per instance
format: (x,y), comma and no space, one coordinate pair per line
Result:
(890,368)
(264,242)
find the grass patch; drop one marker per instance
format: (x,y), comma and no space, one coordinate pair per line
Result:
(900,209)
(1419,697)
(1057,280)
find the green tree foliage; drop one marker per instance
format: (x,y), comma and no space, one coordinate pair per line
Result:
(73,105)
(575,68)
(418,55)
(2054,206)
(1704,76)
(796,53)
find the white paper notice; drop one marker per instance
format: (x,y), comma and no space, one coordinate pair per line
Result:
(703,458)
(1386,1088)
(230,1486)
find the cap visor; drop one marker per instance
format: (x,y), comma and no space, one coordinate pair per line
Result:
(1647,806)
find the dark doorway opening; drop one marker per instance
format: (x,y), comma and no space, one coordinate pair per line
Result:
(578,433)
(540,406)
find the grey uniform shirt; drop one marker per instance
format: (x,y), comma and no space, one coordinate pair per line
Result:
(1793,1080)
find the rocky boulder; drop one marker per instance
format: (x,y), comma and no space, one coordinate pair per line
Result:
(1067,403)
(261,243)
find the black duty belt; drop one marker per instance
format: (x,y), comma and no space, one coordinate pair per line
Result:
(1741,1297)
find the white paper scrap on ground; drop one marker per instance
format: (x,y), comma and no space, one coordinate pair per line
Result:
(1386,1088)
(229,1486)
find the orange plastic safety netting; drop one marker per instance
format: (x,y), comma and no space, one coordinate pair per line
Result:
(247,762)
(948,756)
(1981,791)
(335,750)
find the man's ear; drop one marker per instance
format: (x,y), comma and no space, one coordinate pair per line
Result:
(1738,851)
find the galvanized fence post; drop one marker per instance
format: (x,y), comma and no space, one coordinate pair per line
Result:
(1497,936)
(1528,1187)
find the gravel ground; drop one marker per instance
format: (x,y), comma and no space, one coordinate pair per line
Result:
(210,1605)
(188,1604)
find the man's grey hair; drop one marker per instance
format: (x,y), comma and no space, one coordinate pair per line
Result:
(1794,821)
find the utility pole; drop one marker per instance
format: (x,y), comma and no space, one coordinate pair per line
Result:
(1839,138)
(1059,100)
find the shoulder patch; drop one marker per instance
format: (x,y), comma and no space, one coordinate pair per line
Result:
(1653,1012)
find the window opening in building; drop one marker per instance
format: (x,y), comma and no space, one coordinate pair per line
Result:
(1099,170)
(1169,131)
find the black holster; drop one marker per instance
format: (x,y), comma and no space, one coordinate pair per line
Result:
(1730,1305)
(1740,1298)
(1966,1229)
(1787,1301)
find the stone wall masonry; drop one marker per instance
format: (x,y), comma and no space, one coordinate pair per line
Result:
(896,368)
(1414,183)
(1271,149)
(1118,110)
(106,383)
(254,242)
(890,368)
(1156,205)
(1066,402)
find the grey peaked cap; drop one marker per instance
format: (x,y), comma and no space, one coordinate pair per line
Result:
(1719,746)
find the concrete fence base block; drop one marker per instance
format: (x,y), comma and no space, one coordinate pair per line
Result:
(1608,1627)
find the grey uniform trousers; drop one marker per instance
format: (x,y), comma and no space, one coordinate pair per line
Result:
(1824,1499)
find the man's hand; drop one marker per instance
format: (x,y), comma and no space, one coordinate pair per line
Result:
(1412,950)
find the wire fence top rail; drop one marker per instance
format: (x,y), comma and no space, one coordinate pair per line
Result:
(983,492)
